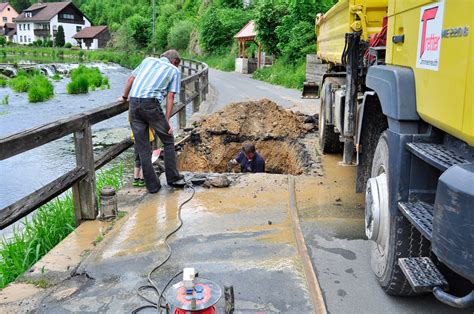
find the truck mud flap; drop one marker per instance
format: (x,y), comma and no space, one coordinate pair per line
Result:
(310,90)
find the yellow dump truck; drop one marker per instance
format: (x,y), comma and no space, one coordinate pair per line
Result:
(397,99)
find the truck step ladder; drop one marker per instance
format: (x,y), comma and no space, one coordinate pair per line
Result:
(420,214)
(422,274)
(437,155)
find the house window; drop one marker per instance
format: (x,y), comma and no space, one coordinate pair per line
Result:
(29,39)
(28,26)
(21,39)
(19,27)
(5,19)
(78,29)
(68,16)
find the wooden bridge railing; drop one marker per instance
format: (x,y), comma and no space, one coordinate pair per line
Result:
(194,86)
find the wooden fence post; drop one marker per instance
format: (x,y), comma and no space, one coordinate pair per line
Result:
(182,112)
(84,191)
(197,99)
(205,89)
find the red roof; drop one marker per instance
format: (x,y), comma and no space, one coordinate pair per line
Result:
(45,11)
(90,32)
(247,31)
(3,6)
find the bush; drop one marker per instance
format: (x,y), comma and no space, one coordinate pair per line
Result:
(178,37)
(68,45)
(78,86)
(3,82)
(56,77)
(20,83)
(41,89)
(3,41)
(84,78)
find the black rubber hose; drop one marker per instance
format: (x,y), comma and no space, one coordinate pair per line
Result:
(157,305)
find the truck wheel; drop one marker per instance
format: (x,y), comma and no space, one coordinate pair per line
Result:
(392,236)
(328,139)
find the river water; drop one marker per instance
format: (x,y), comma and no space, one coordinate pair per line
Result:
(23,174)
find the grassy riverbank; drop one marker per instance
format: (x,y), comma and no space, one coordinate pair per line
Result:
(50,224)
(16,54)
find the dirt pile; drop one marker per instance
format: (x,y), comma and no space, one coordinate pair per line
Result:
(275,132)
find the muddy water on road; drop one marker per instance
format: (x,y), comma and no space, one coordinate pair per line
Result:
(331,195)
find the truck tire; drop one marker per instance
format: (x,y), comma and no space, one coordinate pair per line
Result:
(328,139)
(396,236)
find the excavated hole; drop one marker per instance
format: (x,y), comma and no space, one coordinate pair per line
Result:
(277,134)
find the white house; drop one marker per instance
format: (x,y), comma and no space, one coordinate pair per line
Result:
(41,21)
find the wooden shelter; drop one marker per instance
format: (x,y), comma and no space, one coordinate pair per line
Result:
(248,34)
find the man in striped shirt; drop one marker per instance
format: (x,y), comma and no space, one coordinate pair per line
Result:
(151,88)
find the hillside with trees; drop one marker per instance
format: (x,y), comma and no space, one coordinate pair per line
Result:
(205,28)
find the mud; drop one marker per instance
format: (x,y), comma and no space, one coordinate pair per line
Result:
(278,135)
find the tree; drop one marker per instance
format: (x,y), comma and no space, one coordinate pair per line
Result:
(141,28)
(268,18)
(3,41)
(219,25)
(59,40)
(178,37)
(296,32)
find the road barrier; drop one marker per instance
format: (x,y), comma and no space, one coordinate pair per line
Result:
(194,87)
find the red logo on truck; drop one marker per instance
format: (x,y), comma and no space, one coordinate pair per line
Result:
(432,42)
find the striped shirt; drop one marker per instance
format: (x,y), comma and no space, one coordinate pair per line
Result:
(155,78)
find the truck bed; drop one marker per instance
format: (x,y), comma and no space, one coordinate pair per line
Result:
(332,26)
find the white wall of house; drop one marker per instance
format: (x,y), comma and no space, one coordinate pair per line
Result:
(94,45)
(25,33)
(69,29)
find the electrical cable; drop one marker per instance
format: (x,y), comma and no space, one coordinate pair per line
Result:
(157,305)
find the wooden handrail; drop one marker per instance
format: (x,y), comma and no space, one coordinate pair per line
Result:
(82,178)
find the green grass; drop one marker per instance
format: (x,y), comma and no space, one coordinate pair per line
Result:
(4,113)
(50,224)
(56,77)
(84,79)
(41,89)
(281,73)
(3,82)
(223,62)
(5,100)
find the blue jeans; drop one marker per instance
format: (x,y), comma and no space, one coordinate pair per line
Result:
(146,113)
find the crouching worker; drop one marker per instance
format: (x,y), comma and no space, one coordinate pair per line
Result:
(249,160)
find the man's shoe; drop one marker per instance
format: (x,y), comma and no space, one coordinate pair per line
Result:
(178,183)
(136,182)
(155,191)
(141,183)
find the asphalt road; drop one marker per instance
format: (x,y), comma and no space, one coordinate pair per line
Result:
(333,230)
(229,87)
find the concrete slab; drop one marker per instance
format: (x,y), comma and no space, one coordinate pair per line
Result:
(240,236)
